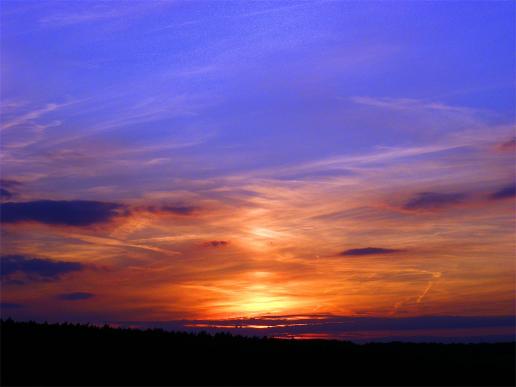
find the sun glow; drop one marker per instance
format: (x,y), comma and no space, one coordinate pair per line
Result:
(263,304)
(260,239)
(266,233)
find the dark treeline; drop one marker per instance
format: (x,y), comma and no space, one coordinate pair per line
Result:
(67,354)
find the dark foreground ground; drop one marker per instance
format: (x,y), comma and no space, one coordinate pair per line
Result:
(41,354)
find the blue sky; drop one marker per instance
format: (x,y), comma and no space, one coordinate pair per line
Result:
(258,77)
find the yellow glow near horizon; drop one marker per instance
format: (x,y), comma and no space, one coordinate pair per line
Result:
(260,298)
(263,304)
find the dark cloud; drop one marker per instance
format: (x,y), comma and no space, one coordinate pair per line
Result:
(10,305)
(177,210)
(508,146)
(19,269)
(59,212)
(504,193)
(5,194)
(433,200)
(7,187)
(9,183)
(75,296)
(216,243)
(368,251)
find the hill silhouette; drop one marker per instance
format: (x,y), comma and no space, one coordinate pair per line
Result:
(69,354)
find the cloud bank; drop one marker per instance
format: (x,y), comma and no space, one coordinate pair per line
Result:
(60,212)
(22,268)
(504,193)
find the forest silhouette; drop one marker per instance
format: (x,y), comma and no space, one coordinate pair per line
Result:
(73,354)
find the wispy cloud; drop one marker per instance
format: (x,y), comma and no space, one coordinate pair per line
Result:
(409,104)
(29,117)
(245,14)
(99,12)
(434,200)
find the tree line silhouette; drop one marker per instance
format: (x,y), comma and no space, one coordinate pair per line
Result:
(73,354)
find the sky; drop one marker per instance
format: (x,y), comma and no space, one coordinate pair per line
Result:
(304,166)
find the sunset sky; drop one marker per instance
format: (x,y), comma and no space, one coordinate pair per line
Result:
(302,160)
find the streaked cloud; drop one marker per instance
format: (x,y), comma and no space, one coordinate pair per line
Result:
(369,251)
(28,117)
(101,12)
(434,200)
(408,104)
